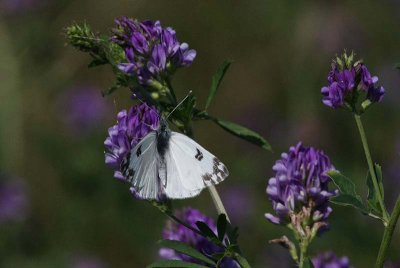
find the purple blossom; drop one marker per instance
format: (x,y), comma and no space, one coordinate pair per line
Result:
(347,82)
(333,95)
(330,260)
(300,181)
(151,52)
(375,94)
(175,231)
(132,126)
(13,200)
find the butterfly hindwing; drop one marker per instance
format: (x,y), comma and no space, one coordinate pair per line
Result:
(190,167)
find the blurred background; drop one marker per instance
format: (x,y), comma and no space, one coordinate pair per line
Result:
(59,203)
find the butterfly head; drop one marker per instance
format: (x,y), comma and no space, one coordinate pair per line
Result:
(163,125)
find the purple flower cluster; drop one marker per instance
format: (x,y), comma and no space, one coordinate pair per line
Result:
(152,52)
(132,126)
(347,81)
(300,181)
(13,200)
(175,231)
(330,260)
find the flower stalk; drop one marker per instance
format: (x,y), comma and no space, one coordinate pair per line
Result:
(385,214)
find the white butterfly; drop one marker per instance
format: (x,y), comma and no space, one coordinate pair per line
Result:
(169,164)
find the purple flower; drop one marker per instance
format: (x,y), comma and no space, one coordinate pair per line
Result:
(330,260)
(13,200)
(300,183)
(333,95)
(132,126)
(375,94)
(175,231)
(151,52)
(348,82)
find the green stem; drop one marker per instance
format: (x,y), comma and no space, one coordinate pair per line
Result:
(184,224)
(387,235)
(371,168)
(303,253)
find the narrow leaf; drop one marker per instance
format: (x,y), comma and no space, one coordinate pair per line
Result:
(378,172)
(244,133)
(345,185)
(205,230)
(349,200)
(372,199)
(216,81)
(232,233)
(221,226)
(175,264)
(185,249)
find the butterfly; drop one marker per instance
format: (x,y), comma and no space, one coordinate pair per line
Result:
(169,164)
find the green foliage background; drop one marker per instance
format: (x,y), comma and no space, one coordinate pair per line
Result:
(281,51)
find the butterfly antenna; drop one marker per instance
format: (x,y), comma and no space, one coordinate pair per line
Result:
(179,104)
(115,105)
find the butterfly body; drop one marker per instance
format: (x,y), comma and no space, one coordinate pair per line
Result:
(163,137)
(169,164)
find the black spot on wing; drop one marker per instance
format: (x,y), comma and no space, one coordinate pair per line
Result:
(218,173)
(139,151)
(127,172)
(199,155)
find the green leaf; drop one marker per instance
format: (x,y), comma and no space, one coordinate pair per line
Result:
(185,249)
(372,197)
(349,200)
(174,264)
(216,81)
(233,234)
(308,264)
(348,195)
(378,172)
(244,133)
(221,226)
(397,66)
(205,230)
(345,185)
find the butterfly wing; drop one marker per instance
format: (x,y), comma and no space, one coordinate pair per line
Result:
(142,166)
(190,168)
